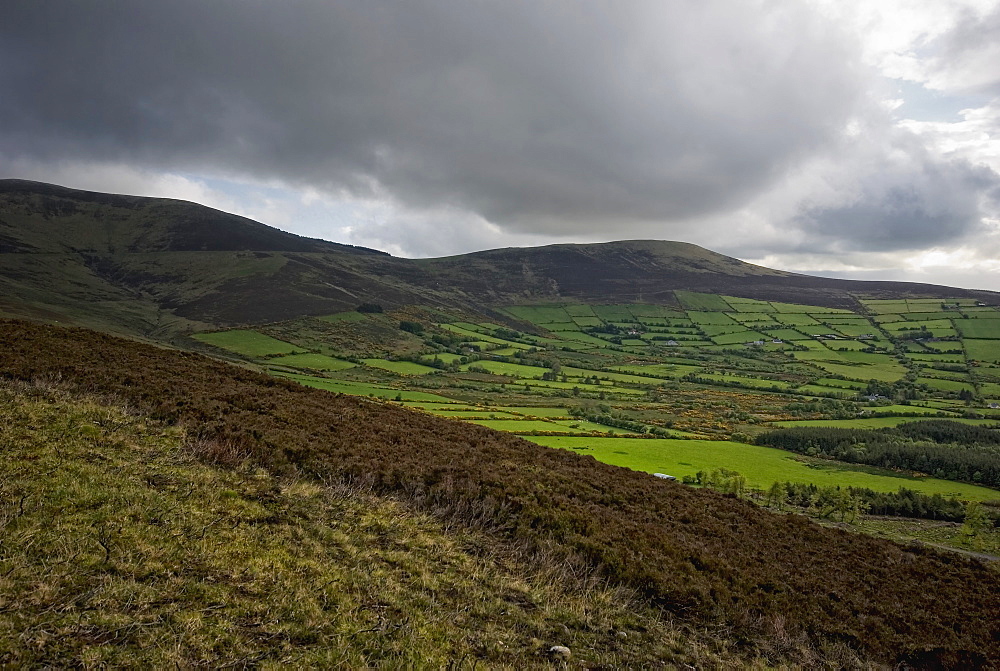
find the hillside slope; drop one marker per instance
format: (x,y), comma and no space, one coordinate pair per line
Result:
(703,557)
(649,271)
(126,543)
(157,267)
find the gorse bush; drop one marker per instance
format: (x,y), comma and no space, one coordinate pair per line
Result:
(702,555)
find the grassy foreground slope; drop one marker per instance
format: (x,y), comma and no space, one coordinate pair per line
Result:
(704,557)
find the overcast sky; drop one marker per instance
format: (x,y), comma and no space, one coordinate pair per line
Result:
(854,138)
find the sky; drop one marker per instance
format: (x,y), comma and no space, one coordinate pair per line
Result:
(846,138)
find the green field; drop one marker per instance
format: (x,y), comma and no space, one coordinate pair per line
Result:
(846,384)
(614,313)
(786,334)
(692,300)
(666,370)
(761,465)
(579,310)
(979,328)
(569,386)
(583,339)
(400,367)
(358,389)
(433,406)
(476,336)
(791,308)
(351,316)
(532,411)
(983,350)
(821,390)
(613,377)
(444,357)
(947,346)
(313,361)
(247,343)
(903,410)
(510,369)
(743,381)
(484,413)
(537,314)
(886,307)
(937,358)
(523,426)
(875,422)
(855,365)
(930,325)
(713,318)
(945,385)
(739,338)
(990,390)
(749,304)
(796,319)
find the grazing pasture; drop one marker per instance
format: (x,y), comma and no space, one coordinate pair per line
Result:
(761,466)
(311,361)
(400,367)
(247,343)
(988,329)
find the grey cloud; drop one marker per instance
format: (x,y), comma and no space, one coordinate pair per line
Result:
(968,57)
(555,117)
(920,204)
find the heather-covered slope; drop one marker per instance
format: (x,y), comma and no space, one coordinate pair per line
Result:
(707,558)
(127,544)
(649,271)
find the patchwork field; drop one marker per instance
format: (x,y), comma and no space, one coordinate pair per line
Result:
(601,379)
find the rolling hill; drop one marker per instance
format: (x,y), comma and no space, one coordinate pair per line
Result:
(158,267)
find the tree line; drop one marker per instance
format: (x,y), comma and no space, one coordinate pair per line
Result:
(944,449)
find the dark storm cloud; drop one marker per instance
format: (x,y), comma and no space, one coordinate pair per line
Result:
(557,115)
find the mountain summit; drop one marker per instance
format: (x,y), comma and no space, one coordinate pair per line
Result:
(156,266)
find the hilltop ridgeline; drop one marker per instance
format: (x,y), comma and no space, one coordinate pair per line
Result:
(704,557)
(157,267)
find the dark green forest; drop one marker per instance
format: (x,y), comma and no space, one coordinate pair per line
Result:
(941,448)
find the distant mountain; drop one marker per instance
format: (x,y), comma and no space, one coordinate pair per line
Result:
(157,267)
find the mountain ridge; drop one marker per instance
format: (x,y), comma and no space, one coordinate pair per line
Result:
(159,267)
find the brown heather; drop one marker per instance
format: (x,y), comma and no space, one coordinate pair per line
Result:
(710,559)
